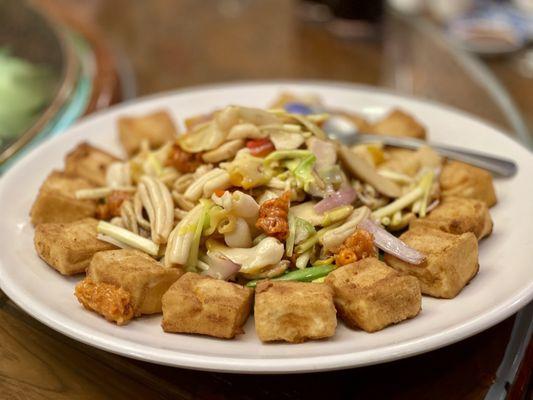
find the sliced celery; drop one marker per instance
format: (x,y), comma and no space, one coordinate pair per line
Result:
(127,237)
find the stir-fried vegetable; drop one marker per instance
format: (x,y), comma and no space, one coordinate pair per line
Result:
(342,197)
(268,251)
(192,259)
(391,244)
(291,238)
(247,171)
(128,238)
(425,184)
(220,267)
(301,275)
(337,214)
(304,172)
(421,191)
(255,194)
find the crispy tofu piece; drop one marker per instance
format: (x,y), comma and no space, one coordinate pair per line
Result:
(57,202)
(400,160)
(69,247)
(138,274)
(370,295)
(294,311)
(110,301)
(361,123)
(452,260)
(464,180)
(207,306)
(89,162)
(410,162)
(458,215)
(399,123)
(157,128)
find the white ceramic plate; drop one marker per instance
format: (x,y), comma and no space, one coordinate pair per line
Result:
(503,285)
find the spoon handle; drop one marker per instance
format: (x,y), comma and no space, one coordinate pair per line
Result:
(497,165)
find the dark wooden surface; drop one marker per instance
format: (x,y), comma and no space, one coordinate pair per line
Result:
(173,44)
(38,363)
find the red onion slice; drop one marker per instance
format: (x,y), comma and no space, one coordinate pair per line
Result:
(391,244)
(344,196)
(325,152)
(433,205)
(220,267)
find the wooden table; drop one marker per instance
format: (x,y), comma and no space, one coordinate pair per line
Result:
(172,44)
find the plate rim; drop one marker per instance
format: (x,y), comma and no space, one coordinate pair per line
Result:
(301,364)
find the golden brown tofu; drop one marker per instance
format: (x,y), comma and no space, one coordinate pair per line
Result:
(399,123)
(110,301)
(157,128)
(207,306)
(89,162)
(452,260)
(410,162)
(464,180)
(370,295)
(362,124)
(143,279)
(458,215)
(69,247)
(57,202)
(294,311)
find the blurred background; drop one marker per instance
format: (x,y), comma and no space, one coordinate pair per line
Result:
(62,59)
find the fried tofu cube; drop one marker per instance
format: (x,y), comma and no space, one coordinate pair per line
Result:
(458,215)
(452,261)
(136,272)
(156,128)
(294,311)
(464,180)
(399,123)
(370,295)
(89,162)
(69,247)
(57,202)
(122,284)
(207,306)
(410,162)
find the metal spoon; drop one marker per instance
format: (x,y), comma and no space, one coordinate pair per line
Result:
(345,131)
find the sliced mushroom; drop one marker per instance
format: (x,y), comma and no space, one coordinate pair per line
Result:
(257,116)
(246,131)
(203,138)
(362,170)
(224,152)
(286,140)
